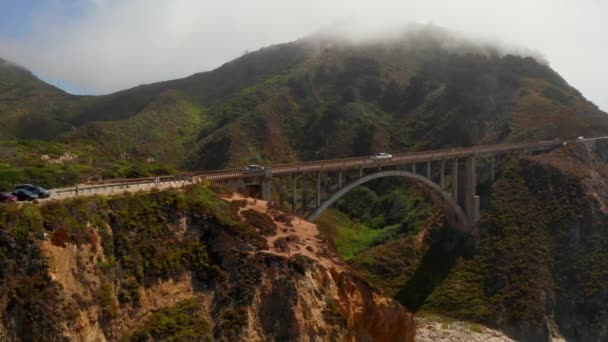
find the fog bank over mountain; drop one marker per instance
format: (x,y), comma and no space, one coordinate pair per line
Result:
(423,37)
(108,45)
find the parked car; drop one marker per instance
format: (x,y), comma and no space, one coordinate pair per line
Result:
(25,195)
(382,156)
(580,138)
(37,190)
(7,197)
(253,168)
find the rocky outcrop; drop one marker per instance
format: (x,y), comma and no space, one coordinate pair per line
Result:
(185,265)
(539,270)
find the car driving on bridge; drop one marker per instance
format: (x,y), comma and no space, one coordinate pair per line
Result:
(39,191)
(382,156)
(253,168)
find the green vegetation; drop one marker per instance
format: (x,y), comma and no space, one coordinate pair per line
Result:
(527,252)
(145,237)
(182,322)
(27,294)
(53,164)
(349,238)
(263,223)
(364,219)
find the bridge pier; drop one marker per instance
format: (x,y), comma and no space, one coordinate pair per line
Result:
(318,189)
(471,200)
(414,167)
(492,162)
(266,191)
(428,169)
(294,191)
(340,180)
(442,176)
(455,179)
(266,185)
(281,199)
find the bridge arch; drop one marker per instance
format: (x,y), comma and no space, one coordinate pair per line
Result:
(452,211)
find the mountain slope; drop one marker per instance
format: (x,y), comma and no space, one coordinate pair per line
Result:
(287,102)
(354,100)
(23,94)
(27,105)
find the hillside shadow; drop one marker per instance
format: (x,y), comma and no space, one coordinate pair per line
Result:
(445,250)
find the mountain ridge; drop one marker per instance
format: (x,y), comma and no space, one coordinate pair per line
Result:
(286,102)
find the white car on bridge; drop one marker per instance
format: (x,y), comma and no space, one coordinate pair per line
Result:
(382,156)
(253,168)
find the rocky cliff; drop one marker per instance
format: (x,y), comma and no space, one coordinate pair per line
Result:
(536,265)
(180,265)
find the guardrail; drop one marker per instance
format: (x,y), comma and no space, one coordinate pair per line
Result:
(83,190)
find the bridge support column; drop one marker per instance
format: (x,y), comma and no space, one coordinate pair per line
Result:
(442,176)
(318,189)
(267,185)
(492,162)
(293,194)
(266,192)
(428,169)
(471,200)
(361,172)
(281,197)
(414,168)
(455,179)
(340,180)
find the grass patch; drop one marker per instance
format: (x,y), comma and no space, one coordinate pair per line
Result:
(182,322)
(348,237)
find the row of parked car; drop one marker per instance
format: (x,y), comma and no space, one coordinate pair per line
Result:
(24,192)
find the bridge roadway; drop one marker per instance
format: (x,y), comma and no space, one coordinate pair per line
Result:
(262,179)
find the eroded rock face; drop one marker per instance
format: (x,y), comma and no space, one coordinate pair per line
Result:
(156,266)
(539,269)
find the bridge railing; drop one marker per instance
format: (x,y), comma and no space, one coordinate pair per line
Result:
(89,188)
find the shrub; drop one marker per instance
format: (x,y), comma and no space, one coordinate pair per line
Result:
(260,221)
(182,322)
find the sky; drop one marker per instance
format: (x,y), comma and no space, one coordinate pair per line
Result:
(102,46)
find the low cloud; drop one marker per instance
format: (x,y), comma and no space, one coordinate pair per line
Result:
(116,44)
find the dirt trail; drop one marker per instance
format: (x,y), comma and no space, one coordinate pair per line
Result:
(298,236)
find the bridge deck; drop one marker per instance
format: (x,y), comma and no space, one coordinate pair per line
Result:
(321,165)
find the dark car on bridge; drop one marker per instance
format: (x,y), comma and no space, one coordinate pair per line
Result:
(25,195)
(37,190)
(7,197)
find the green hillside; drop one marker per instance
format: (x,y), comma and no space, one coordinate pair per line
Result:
(318,97)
